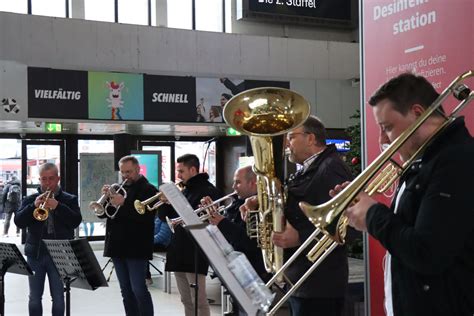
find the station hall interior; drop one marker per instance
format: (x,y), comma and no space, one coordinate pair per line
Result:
(84,83)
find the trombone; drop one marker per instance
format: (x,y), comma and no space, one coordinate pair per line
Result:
(100,206)
(142,206)
(205,216)
(331,223)
(41,213)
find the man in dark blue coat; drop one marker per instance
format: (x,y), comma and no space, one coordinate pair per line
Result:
(63,217)
(429,267)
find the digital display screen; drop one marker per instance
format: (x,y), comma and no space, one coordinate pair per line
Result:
(337,13)
(150,165)
(342,145)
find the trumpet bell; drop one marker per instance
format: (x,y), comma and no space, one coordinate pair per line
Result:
(41,214)
(98,208)
(139,207)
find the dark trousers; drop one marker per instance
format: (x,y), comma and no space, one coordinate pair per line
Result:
(316,306)
(136,297)
(6,227)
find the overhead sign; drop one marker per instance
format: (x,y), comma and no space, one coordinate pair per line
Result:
(232,132)
(53,127)
(335,13)
(170,98)
(54,93)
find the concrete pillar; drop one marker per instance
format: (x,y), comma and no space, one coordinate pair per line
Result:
(161,13)
(78,10)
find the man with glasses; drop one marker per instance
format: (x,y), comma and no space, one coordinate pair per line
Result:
(129,237)
(321,169)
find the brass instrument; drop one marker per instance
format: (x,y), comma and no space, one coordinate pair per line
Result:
(331,223)
(142,206)
(100,206)
(205,216)
(41,213)
(261,114)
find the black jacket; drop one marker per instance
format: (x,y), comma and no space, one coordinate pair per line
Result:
(431,236)
(180,253)
(9,207)
(64,219)
(235,231)
(331,277)
(130,234)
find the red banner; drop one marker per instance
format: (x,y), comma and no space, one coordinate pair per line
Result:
(430,38)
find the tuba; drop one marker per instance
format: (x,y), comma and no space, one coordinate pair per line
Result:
(331,223)
(261,114)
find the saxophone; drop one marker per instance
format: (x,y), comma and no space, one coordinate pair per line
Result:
(261,114)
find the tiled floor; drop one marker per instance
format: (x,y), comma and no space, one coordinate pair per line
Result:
(103,301)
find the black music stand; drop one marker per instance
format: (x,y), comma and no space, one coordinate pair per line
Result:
(11,260)
(77,266)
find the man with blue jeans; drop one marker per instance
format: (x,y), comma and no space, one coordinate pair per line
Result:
(63,217)
(129,238)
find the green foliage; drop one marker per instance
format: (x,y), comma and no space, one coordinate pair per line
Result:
(353,156)
(355,247)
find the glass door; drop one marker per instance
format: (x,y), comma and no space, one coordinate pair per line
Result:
(36,153)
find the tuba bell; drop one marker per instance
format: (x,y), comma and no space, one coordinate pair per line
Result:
(263,113)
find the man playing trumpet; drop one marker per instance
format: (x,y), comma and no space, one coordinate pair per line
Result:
(60,215)
(180,256)
(129,237)
(427,231)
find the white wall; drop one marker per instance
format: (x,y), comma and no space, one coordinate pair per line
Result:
(90,45)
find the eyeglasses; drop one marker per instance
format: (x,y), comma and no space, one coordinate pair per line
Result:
(291,136)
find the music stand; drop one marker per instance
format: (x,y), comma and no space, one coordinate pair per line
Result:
(77,266)
(11,260)
(210,247)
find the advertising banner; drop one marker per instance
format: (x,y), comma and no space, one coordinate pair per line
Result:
(170,99)
(115,96)
(54,93)
(424,37)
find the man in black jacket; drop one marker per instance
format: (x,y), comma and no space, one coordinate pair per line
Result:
(322,168)
(63,217)
(129,238)
(429,267)
(180,253)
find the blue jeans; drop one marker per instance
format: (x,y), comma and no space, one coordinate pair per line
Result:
(42,266)
(131,275)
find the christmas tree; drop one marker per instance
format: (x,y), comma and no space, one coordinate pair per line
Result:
(353,155)
(354,244)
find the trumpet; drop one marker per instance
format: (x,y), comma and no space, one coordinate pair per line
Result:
(100,206)
(142,206)
(41,213)
(203,217)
